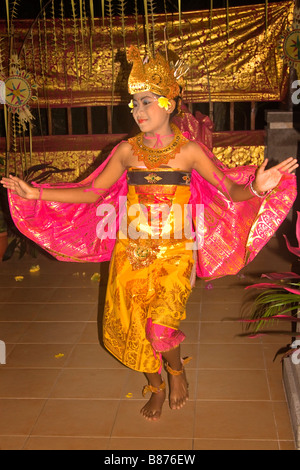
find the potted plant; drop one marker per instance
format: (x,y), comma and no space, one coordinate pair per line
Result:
(279,301)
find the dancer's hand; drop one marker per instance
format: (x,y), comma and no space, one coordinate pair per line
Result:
(19,187)
(266,180)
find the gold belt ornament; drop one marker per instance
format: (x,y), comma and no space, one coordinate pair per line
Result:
(141,253)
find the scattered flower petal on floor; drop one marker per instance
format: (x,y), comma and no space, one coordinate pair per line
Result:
(209,286)
(19,278)
(96,277)
(34,269)
(59,356)
(129,395)
(241,276)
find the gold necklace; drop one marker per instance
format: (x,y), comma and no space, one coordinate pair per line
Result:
(155,157)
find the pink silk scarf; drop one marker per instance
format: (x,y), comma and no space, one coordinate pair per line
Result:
(231,233)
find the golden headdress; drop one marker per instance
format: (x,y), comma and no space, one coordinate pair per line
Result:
(156,75)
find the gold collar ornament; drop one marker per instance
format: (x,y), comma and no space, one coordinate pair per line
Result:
(155,157)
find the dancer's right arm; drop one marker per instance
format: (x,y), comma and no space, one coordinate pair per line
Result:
(112,172)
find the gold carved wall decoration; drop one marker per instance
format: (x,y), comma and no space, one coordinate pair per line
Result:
(81,60)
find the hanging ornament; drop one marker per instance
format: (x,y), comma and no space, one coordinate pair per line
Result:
(19,92)
(290,43)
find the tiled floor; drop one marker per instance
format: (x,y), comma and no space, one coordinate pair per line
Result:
(61,390)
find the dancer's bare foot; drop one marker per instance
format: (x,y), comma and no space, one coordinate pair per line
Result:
(179,391)
(153,408)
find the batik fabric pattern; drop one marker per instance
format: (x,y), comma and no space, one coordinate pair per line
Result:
(150,278)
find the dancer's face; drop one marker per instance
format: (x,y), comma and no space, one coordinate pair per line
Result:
(147,113)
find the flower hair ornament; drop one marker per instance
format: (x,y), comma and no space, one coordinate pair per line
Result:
(163,103)
(131,106)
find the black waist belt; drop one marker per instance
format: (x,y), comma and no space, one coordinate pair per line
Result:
(178,178)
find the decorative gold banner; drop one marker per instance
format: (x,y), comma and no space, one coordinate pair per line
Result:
(235,60)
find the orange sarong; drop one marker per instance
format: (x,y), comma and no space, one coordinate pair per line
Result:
(150,278)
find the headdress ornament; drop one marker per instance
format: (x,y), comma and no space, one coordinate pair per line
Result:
(155,74)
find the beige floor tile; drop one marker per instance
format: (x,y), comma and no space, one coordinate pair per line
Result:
(222,312)
(6,294)
(237,444)
(11,332)
(191,330)
(190,350)
(66,443)
(287,445)
(19,312)
(52,332)
(12,442)
(39,355)
(273,354)
(224,333)
(70,312)
(84,418)
(235,420)
(26,383)
(72,294)
(174,424)
(92,356)
(95,313)
(90,334)
(193,311)
(196,296)
(275,381)
(36,280)
(280,336)
(30,295)
(230,356)
(232,385)
(282,419)
(91,383)
(9,349)
(153,443)
(79,280)
(234,295)
(228,282)
(18,416)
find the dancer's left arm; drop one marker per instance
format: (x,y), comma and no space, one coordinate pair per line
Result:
(265,180)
